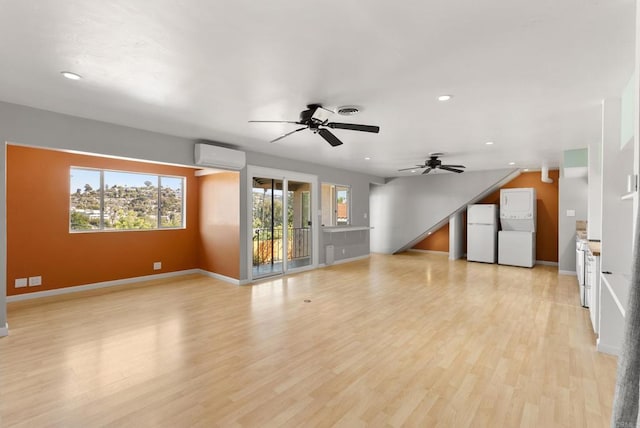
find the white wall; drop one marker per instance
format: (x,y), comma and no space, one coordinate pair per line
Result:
(456,236)
(406,208)
(594,197)
(617,214)
(572,193)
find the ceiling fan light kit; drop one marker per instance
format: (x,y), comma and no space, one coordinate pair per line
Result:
(316,118)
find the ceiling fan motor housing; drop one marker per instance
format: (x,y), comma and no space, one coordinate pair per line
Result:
(306,116)
(314,115)
(434,162)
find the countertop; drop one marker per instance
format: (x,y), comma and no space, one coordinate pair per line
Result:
(594,247)
(335,229)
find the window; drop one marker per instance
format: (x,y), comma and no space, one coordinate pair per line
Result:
(336,205)
(117,200)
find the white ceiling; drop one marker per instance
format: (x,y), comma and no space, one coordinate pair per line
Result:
(528,75)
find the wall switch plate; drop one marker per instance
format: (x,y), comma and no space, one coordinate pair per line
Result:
(365,215)
(20,282)
(34,281)
(571,213)
(157,265)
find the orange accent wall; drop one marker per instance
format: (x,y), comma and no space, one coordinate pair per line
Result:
(437,241)
(219,245)
(547,216)
(39,242)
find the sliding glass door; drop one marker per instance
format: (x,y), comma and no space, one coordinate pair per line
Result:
(299,239)
(268,203)
(282,231)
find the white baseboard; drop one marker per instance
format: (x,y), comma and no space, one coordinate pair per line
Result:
(566,272)
(4,331)
(546,263)
(341,261)
(608,349)
(417,250)
(97,285)
(223,277)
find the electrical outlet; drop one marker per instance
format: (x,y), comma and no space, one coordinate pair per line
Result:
(20,282)
(344,251)
(157,265)
(34,281)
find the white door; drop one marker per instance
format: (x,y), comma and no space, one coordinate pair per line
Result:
(481,243)
(481,214)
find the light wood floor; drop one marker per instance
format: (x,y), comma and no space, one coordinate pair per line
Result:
(408,340)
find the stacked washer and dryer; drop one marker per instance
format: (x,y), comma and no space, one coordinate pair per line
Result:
(517,239)
(516,242)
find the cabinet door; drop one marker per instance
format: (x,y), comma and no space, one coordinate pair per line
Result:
(589,278)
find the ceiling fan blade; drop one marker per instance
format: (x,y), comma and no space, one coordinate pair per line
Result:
(446,168)
(414,167)
(331,139)
(426,171)
(273,121)
(287,134)
(354,127)
(454,166)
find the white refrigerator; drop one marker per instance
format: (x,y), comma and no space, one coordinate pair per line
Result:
(482,231)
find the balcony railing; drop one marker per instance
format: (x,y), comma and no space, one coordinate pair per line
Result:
(267,244)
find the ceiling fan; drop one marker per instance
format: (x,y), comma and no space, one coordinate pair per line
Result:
(316,118)
(434,163)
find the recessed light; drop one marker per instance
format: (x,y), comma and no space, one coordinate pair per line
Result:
(489,143)
(512,163)
(367,158)
(445,97)
(71,76)
(413,170)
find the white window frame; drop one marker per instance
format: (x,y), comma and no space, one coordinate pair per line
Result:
(158,178)
(334,204)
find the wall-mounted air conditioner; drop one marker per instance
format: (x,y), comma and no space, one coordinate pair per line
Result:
(219,157)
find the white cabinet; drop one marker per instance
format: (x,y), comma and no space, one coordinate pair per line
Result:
(614,293)
(592,289)
(581,258)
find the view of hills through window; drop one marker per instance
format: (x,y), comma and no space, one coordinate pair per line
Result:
(115,200)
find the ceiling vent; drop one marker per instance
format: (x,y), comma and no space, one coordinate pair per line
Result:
(348,110)
(219,157)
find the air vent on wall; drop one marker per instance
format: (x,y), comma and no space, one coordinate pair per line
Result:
(219,157)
